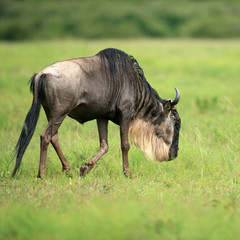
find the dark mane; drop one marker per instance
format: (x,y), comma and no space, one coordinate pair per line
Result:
(119,63)
(114,59)
(115,63)
(141,74)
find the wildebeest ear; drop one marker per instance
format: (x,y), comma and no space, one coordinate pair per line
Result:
(167,106)
(172,104)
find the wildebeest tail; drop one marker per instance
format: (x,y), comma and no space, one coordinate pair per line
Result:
(30,122)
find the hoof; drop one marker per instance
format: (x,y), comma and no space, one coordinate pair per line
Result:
(67,171)
(42,175)
(128,174)
(84,170)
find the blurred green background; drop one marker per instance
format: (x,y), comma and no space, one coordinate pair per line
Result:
(45,19)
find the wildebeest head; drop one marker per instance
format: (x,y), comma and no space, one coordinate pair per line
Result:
(157,134)
(173,124)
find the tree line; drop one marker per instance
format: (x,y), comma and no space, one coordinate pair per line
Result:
(53,19)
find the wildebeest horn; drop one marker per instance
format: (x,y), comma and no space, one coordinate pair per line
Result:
(177,98)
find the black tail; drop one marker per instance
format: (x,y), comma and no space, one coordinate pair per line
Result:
(28,128)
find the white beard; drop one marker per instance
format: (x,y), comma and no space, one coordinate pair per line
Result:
(142,134)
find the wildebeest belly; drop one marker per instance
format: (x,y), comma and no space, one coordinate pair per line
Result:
(85,112)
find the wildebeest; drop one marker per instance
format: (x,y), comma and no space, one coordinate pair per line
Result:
(108,86)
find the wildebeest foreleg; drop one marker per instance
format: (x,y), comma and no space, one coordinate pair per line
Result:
(103,131)
(56,145)
(125,146)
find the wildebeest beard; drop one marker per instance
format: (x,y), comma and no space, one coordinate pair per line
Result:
(157,141)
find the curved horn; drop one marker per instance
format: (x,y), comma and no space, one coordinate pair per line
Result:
(177,98)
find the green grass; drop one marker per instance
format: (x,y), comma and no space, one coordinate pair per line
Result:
(196,196)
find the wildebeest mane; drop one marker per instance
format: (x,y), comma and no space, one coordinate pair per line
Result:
(142,76)
(120,65)
(111,58)
(114,63)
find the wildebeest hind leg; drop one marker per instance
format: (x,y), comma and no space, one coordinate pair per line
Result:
(46,137)
(56,145)
(103,131)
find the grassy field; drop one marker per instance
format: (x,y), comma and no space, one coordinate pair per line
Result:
(196,196)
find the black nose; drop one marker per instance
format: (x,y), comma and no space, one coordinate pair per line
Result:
(172,154)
